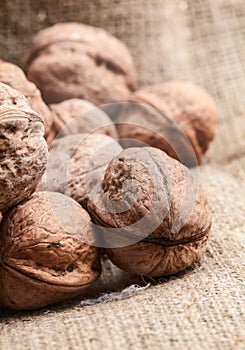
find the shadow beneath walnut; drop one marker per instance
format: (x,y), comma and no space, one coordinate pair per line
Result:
(112,280)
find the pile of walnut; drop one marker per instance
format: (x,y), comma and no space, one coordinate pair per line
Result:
(120,185)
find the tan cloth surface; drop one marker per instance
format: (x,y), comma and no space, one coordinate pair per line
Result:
(202,308)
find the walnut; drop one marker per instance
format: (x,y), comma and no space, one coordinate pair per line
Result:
(23,148)
(173,117)
(13,76)
(76,116)
(44,257)
(155,218)
(71,60)
(76,164)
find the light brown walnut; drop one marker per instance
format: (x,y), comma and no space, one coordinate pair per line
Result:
(70,60)
(77,116)
(43,255)
(13,76)
(23,148)
(178,117)
(154,216)
(77,163)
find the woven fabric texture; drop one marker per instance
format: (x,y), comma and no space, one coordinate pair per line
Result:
(203,307)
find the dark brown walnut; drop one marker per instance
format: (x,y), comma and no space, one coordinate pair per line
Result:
(77,163)
(23,150)
(71,60)
(178,110)
(76,116)
(155,218)
(44,255)
(13,76)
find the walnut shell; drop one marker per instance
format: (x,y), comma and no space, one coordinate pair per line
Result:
(70,60)
(189,106)
(13,76)
(156,219)
(76,164)
(43,257)
(23,148)
(76,116)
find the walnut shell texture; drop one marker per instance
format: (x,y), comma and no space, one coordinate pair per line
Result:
(156,204)
(43,257)
(77,163)
(23,148)
(69,60)
(77,116)
(141,125)
(13,76)
(188,105)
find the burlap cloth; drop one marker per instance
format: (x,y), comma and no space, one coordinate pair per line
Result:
(203,307)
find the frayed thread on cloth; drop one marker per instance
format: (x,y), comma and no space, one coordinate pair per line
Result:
(114,296)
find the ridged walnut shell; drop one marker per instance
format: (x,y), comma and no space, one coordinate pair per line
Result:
(13,76)
(24,152)
(77,116)
(156,219)
(43,255)
(70,60)
(177,108)
(77,163)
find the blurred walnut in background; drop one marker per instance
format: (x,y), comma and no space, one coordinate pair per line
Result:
(178,117)
(77,116)
(70,60)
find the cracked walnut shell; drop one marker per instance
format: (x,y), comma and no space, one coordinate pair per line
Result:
(178,117)
(74,60)
(154,216)
(44,255)
(24,152)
